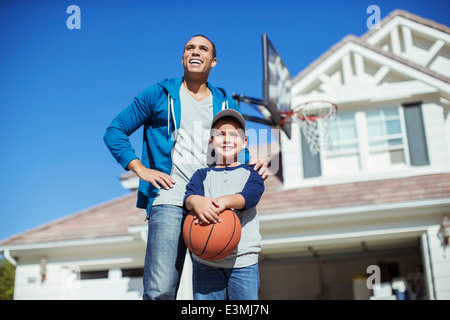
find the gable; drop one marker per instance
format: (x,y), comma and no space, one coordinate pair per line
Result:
(413,38)
(356,71)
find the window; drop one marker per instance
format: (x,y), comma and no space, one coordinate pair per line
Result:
(386,140)
(133,273)
(89,275)
(417,142)
(343,155)
(343,135)
(372,140)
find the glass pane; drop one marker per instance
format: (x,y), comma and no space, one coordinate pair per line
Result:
(349,147)
(393,126)
(346,117)
(375,129)
(378,144)
(343,127)
(395,142)
(391,112)
(334,132)
(371,114)
(348,131)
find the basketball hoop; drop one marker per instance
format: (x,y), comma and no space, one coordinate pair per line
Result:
(314,117)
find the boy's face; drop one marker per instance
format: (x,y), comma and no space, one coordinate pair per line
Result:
(228,139)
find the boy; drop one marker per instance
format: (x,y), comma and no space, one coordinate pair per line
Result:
(227,185)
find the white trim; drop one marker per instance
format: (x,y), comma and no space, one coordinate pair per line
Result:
(362,140)
(407,39)
(395,42)
(10,258)
(429,82)
(398,21)
(346,69)
(385,30)
(283,216)
(131,183)
(69,243)
(94,262)
(427,264)
(380,74)
(394,173)
(433,51)
(359,65)
(400,67)
(335,237)
(141,230)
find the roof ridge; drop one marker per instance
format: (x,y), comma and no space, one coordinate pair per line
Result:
(410,16)
(323,56)
(402,60)
(362,42)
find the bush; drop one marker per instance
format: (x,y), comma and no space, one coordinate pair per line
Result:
(7,273)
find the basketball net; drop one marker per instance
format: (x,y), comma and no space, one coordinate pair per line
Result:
(314,117)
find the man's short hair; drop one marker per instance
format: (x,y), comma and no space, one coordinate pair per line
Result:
(213,45)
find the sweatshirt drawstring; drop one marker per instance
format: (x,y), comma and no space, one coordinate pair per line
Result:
(169,111)
(173,118)
(168,114)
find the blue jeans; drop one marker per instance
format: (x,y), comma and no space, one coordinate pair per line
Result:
(166,252)
(225,284)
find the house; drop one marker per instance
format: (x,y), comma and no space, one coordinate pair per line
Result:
(361,220)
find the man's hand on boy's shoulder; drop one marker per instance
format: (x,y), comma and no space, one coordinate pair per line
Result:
(260,164)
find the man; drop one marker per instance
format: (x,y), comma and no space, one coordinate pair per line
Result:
(173,113)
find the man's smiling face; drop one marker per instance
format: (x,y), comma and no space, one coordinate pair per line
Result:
(198,56)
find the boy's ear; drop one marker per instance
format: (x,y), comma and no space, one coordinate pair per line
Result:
(245,142)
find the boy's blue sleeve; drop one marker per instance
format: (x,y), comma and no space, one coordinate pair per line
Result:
(195,186)
(253,189)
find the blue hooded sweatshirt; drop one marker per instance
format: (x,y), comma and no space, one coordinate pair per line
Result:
(158,109)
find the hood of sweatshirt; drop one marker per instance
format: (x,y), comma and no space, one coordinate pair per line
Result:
(172,88)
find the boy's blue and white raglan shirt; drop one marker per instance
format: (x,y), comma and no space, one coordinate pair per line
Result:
(242,179)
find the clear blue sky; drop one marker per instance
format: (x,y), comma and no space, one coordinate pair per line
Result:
(60,88)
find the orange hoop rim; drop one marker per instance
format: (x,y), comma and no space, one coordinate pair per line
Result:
(299,109)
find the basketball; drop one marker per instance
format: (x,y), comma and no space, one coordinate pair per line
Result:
(213,241)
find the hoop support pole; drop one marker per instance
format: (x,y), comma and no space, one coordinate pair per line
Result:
(256,104)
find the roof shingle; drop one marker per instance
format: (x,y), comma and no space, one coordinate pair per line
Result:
(356,194)
(113,218)
(109,219)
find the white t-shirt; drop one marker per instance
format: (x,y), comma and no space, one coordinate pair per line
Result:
(191,146)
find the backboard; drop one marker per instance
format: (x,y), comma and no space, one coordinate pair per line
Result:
(276,84)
